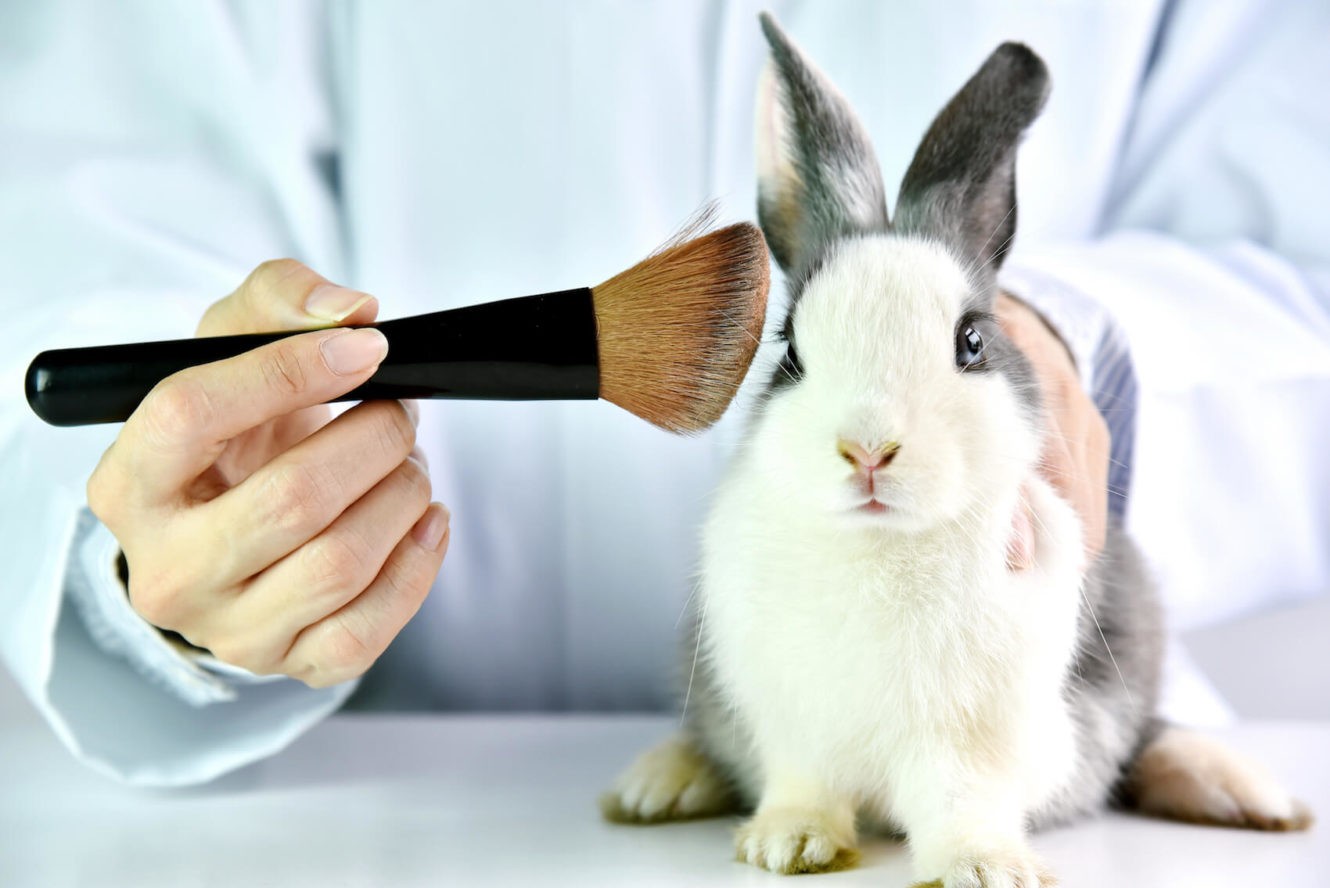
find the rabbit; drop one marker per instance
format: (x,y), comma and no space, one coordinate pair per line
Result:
(859,650)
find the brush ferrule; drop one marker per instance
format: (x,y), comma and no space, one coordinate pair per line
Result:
(526,349)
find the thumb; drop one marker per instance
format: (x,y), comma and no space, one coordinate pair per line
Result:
(283,294)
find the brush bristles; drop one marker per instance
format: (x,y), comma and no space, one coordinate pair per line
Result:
(678,330)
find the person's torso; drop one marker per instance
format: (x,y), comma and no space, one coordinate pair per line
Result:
(491,150)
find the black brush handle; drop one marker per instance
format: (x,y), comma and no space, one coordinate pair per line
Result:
(529,348)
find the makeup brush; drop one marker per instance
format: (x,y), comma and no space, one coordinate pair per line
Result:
(669,340)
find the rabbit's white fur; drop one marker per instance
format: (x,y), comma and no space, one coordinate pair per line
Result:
(941,709)
(858,644)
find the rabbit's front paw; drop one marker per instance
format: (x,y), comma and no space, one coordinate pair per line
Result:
(1017,868)
(672,781)
(796,840)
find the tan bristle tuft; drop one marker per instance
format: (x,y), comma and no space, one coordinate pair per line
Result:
(678,330)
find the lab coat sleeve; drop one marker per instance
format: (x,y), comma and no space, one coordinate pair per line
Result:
(150,155)
(1214,258)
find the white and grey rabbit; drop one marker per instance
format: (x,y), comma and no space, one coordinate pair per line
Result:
(859,649)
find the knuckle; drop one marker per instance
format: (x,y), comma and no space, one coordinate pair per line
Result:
(251,307)
(350,650)
(156,599)
(102,492)
(345,652)
(175,408)
(334,562)
(97,496)
(283,370)
(269,275)
(415,480)
(294,500)
(395,431)
(408,579)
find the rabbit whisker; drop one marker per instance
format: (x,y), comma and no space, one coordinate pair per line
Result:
(1131,701)
(692,672)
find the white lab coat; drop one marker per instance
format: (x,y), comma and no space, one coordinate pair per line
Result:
(443,154)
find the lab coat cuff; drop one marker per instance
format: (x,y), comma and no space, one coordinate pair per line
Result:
(94,586)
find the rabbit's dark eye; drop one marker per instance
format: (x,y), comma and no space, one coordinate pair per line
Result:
(969,347)
(792,359)
(790,369)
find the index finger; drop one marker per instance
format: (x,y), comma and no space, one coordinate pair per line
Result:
(184,423)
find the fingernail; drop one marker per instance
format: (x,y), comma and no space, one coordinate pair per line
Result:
(354,351)
(419,456)
(412,410)
(431,527)
(329,302)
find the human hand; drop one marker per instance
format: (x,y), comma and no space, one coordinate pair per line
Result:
(281,541)
(1076,448)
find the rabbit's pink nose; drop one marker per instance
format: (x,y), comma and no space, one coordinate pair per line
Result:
(859,457)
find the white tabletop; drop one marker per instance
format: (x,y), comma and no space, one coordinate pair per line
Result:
(472,800)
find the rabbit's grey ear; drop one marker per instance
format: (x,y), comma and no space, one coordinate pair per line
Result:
(961,185)
(818,178)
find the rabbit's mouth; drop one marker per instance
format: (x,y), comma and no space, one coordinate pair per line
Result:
(872,494)
(875,516)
